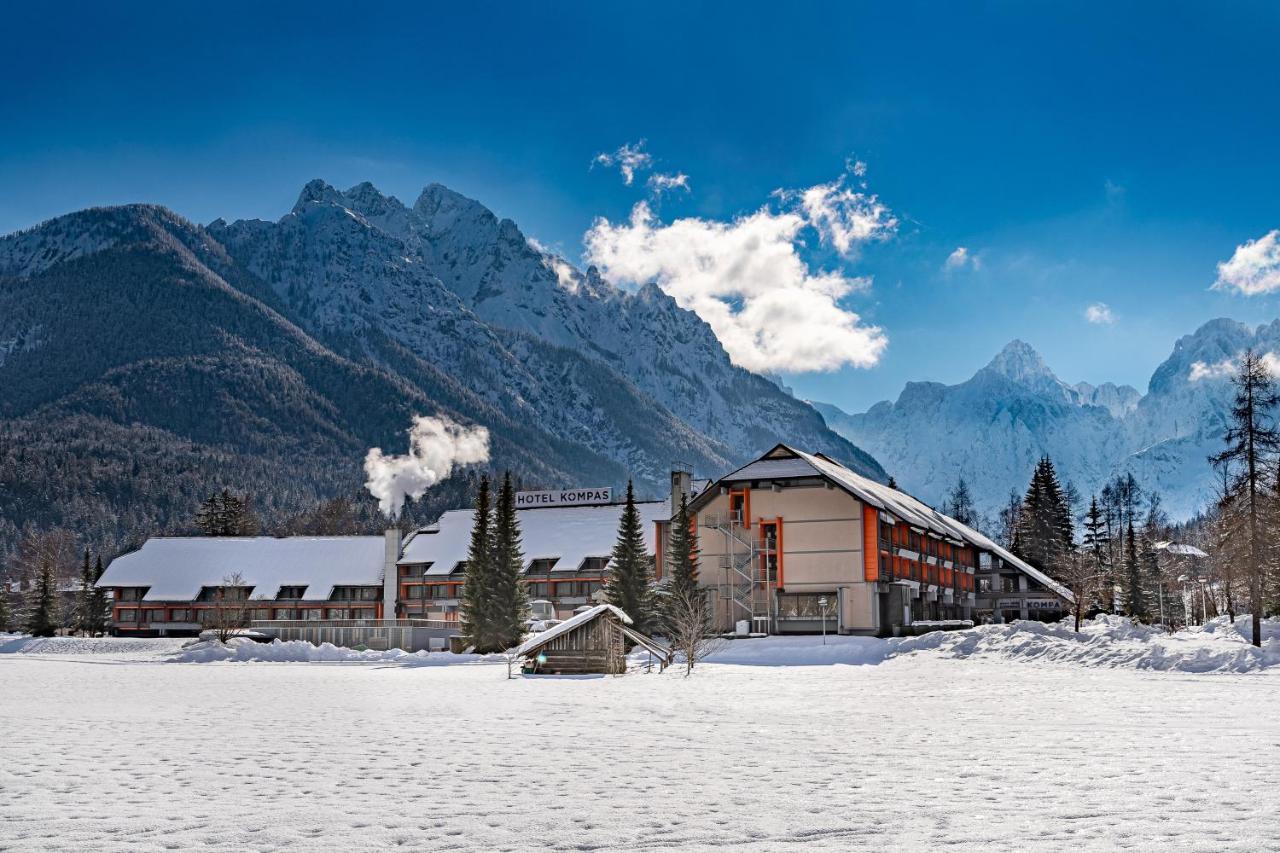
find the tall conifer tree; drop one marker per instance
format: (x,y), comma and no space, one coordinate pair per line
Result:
(1135,600)
(510,603)
(630,586)
(681,562)
(477,587)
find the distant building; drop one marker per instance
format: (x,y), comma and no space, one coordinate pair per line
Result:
(171,585)
(793,542)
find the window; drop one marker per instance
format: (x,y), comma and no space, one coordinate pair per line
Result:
(414,593)
(1008,583)
(805,605)
(542,565)
(441,590)
(364,613)
(594,565)
(260,614)
(286,613)
(314,613)
(984,584)
(354,593)
(339,613)
(153,616)
(770,568)
(132,593)
(460,568)
(414,570)
(129,615)
(183,615)
(539,589)
(569,588)
(220,593)
(288,593)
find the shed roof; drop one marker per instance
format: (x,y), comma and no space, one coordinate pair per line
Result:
(539,640)
(567,534)
(176,568)
(784,462)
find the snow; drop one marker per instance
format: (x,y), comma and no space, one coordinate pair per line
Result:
(920,752)
(175,568)
(569,534)
(568,625)
(239,650)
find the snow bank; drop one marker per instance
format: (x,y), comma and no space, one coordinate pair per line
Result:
(803,651)
(1111,642)
(243,650)
(25,644)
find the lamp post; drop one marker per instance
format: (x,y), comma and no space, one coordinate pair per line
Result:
(822,603)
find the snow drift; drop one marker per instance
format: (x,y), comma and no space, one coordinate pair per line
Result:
(1110,642)
(243,650)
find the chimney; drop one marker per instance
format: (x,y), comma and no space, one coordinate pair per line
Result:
(681,485)
(390,572)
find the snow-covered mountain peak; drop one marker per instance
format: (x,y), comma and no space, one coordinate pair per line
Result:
(1020,362)
(317,191)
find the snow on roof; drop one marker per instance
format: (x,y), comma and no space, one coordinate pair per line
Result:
(566,534)
(539,640)
(785,462)
(1180,549)
(176,568)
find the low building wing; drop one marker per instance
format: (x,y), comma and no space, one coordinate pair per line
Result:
(177,569)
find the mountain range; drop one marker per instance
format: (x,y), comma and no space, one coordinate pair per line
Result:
(993,427)
(146,361)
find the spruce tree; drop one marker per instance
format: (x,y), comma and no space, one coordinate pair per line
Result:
(510,602)
(84,597)
(477,587)
(1135,604)
(99,603)
(4,604)
(959,504)
(1045,532)
(630,584)
(1097,550)
(225,514)
(42,615)
(682,566)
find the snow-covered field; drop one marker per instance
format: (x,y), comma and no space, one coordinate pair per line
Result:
(993,739)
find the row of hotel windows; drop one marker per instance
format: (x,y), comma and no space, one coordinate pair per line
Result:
(536,589)
(243,593)
(206,615)
(900,568)
(903,536)
(540,566)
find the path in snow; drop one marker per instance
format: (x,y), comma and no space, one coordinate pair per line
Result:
(917,753)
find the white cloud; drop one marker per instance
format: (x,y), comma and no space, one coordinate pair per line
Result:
(843,216)
(961,258)
(629,159)
(661,183)
(566,275)
(1099,313)
(1271,362)
(1254,268)
(747,280)
(1201,370)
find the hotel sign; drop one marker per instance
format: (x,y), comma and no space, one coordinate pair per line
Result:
(564,497)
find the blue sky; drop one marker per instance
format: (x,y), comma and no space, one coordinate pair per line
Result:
(1110,154)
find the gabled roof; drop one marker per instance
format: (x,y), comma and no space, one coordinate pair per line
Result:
(569,534)
(784,463)
(539,640)
(176,568)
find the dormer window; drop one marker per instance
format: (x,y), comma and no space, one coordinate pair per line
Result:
(291,593)
(594,565)
(542,565)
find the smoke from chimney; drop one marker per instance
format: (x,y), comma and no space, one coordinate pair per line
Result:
(436,446)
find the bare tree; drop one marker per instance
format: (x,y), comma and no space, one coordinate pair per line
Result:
(688,618)
(230,611)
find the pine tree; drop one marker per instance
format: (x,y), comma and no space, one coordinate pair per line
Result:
(1045,531)
(510,602)
(1135,603)
(1096,546)
(959,504)
(225,514)
(630,585)
(4,604)
(682,566)
(893,484)
(477,588)
(84,596)
(99,603)
(1252,440)
(42,617)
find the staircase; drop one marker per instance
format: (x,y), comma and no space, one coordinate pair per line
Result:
(738,562)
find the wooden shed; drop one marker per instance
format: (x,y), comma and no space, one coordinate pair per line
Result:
(594,641)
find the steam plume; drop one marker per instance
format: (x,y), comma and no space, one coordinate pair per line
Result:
(436,447)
